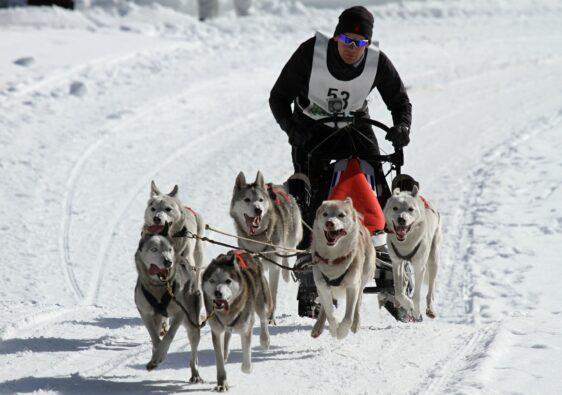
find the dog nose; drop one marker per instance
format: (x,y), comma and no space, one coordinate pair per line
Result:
(167,262)
(156,220)
(329,224)
(218,294)
(258,211)
(401,221)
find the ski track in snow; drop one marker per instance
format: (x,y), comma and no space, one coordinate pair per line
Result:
(124,350)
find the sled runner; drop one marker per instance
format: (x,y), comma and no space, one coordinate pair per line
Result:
(354,176)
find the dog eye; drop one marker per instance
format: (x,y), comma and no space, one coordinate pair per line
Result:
(228,281)
(152,209)
(341,215)
(411,209)
(247,200)
(154,249)
(394,208)
(261,200)
(212,281)
(168,209)
(324,214)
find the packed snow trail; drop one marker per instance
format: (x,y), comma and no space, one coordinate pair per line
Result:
(165,97)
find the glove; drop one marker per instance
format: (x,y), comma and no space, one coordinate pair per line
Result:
(298,137)
(399,136)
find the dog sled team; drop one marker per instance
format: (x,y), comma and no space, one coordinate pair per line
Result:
(336,214)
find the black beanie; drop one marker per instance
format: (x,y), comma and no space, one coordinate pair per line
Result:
(356,20)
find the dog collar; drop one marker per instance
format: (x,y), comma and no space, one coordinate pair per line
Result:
(406,257)
(336,281)
(162,306)
(336,261)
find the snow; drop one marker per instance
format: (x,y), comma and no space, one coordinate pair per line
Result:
(158,95)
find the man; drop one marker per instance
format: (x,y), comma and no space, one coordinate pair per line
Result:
(335,75)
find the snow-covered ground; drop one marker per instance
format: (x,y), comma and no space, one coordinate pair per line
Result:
(96,103)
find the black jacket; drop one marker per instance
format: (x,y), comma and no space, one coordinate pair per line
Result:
(294,78)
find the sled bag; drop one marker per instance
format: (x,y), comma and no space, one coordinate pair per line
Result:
(353,182)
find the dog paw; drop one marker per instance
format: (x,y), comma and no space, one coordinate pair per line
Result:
(430,313)
(222,387)
(151,365)
(196,380)
(317,331)
(246,368)
(272,322)
(343,329)
(355,327)
(264,341)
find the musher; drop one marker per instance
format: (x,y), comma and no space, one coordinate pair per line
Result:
(334,75)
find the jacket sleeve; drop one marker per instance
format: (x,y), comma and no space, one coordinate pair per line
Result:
(393,92)
(292,81)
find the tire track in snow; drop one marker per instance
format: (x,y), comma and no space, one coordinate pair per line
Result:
(481,338)
(444,372)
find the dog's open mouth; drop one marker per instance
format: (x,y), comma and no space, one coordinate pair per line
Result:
(401,231)
(154,229)
(220,304)
(160,272)
(253,223)
(332,236)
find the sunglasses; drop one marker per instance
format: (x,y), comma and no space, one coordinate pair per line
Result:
(342,38)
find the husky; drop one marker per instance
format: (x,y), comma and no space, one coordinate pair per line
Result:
(343,263)
(158,264)
(266,213)
(414,235)
(235,289)
(167,208)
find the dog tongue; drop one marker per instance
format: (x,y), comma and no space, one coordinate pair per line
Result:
(221,303)
(156,270)
(154,228)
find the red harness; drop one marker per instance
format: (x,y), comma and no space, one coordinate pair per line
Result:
(275,192)
(192,211)
(241,261)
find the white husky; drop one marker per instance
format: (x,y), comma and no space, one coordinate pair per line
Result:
(344,259)
(414,235)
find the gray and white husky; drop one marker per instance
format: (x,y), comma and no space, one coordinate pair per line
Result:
(266,213)
(235,289)
(167,208)
(157,263)
(344,259)
(414,235)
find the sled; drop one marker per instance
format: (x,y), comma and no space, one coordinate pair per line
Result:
(383,281)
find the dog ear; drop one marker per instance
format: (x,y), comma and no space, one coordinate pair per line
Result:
(259,180)
(141,243)
(154,191)
(174,191)
(349,201)
(396,191)
(415,191)
(240,181)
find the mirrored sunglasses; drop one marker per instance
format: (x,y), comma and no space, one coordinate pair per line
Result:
(348,41)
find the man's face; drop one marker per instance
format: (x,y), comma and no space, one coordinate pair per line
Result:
(350,53)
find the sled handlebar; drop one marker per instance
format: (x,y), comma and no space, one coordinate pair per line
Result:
(353,120)
(396,158)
